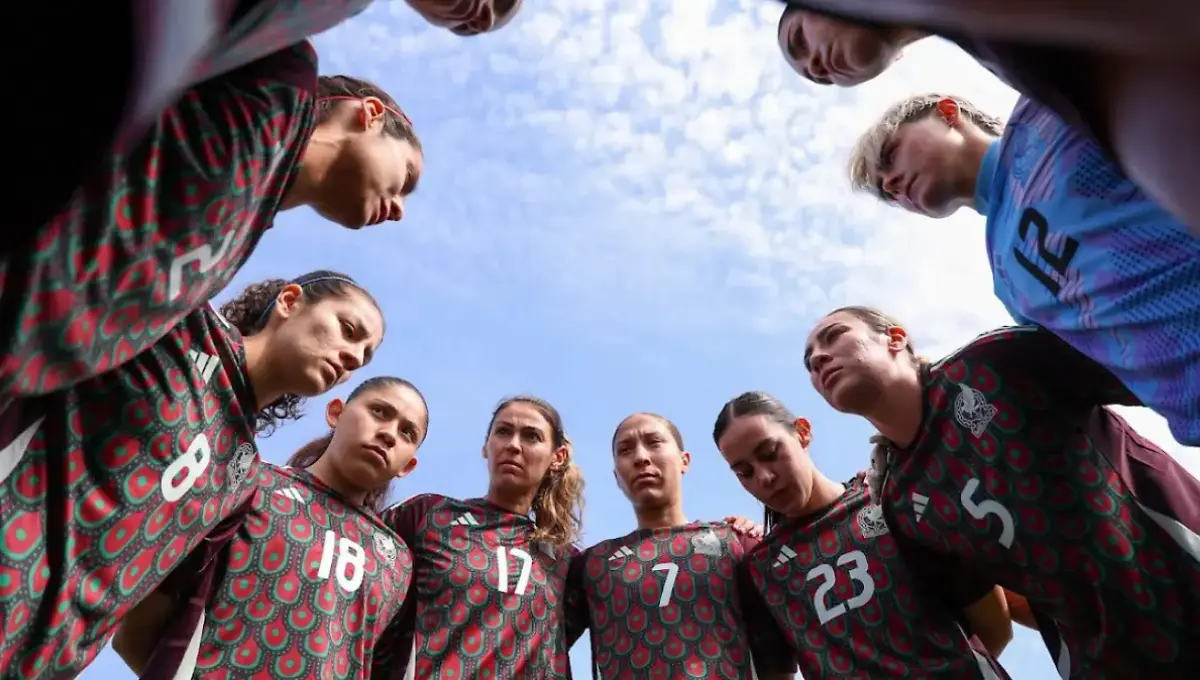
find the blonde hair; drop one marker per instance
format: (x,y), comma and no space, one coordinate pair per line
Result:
(867,155)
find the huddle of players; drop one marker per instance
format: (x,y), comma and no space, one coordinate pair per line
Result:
(134,503)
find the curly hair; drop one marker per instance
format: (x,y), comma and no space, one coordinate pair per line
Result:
(250,310)
(309,453)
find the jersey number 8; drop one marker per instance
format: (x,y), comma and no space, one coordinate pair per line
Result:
(187,468)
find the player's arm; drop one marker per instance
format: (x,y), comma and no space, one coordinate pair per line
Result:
(1169,27)
(990,620)
(1019,610)
(1061,369)
(744,526)
(773,655)
(406,517)
(575,606)
(140,632)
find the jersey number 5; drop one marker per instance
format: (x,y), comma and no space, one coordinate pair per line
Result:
(982,509)
(826,578)
(1058,262)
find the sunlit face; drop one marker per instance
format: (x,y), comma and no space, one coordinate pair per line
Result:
(848,361)
(648,463)
(771,461)
(468,19)
(830,51)
(372,174)
(922,168)
(520,448)
(317,346)
(376,435)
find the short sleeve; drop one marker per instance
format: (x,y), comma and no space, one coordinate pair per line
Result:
(769,646)
(575,606)
(406,517)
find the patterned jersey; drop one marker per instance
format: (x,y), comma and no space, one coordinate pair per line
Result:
(487,601)
(106,487)
(162,230)
(1077,248)
(673,603)
(307,586)
(1020,475)
(857,608)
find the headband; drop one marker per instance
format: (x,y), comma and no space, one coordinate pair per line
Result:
(302,282)
(396,112)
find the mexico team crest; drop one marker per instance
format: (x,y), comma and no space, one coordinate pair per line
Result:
(385,547)
(239,467)
(706,543)
(972,410)
(871,523)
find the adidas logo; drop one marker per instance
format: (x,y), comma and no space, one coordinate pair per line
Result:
(467,520)
(206,364)
(786,555)
(292,493)
(14,451)
(620,554)
(920,502)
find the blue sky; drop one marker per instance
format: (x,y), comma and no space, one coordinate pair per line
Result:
(632,205)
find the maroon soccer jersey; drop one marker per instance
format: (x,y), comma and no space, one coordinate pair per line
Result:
(1017,472)
(106,487)
(847,599)
(673,603)
(487,600)
(308,585)
(160,232)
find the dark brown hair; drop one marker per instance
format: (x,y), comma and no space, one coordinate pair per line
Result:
(331,89)
(754,404)
(558,504)
(675,434)
(250,310)
(309,453)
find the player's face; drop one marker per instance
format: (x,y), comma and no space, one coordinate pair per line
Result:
(320,345)
(371,175)
(847,360)
(921,168)
(520,449)
(829,51)
(770,461)
(376,435)
(648,463)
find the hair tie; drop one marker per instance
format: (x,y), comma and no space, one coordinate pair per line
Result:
(302,282)
(396,112)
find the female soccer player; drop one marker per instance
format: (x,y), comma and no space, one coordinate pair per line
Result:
(1096,65)
(171,220)
(489,577)
(1074,246)
(1002,456)
(312,577)
(833,575)
(106,487)
(670,599)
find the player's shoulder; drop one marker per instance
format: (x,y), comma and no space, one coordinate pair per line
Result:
(1009,344)
(424,502)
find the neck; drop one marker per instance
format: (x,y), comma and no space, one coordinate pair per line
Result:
(324,470)
(898,417)
(264,381)
(516,503)
(661,517)
(823,494)
(975,147)
(319,155)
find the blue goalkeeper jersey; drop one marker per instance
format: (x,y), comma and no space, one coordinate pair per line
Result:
(1077,248)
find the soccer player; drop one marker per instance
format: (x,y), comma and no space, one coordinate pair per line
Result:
(1074,246)
(490,573)
(1001,455)
(1095,66)
(107,486)
(312,577)
(670,599)
(171,220)
(853,599)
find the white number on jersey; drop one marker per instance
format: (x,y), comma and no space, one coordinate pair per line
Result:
(351,561)
(827,578)
(204,258)
(668,588)
(988,507)
(526,561)
(187,467)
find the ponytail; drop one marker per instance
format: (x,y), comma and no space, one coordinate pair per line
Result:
(558,504)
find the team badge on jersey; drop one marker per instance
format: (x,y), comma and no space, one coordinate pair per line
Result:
(871,523)
(973,411)
(239,466)
(707,543)
(385,547)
